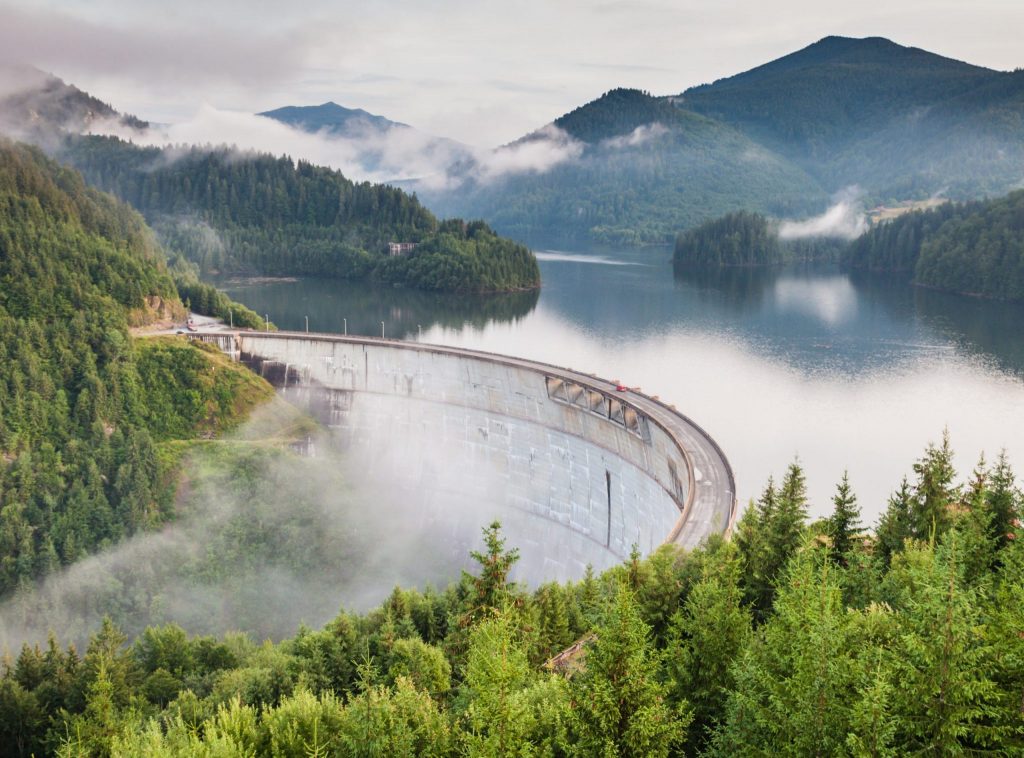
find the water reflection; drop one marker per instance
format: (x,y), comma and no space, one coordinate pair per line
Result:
(336,305)
(847,371)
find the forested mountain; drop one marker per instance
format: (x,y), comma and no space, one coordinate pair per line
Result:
(84,408)
(37,105)
(792,639)
(748,239)
(898,122)
(643,170)
(901,122)
(331,118)
(228,210)
(974,248)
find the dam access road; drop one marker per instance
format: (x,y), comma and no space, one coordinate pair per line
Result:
(613,467)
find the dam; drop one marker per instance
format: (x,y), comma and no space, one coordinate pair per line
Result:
(587,468)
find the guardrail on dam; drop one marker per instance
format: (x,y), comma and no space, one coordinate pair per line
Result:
(605,469)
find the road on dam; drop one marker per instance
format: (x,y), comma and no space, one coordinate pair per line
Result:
(706,501)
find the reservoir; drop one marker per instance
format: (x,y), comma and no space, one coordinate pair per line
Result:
(837,370)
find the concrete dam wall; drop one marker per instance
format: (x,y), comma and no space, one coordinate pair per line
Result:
(577,470)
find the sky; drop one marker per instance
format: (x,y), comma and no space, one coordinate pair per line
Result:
(478,71)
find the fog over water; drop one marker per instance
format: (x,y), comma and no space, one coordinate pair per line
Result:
(843,372)
(840,371)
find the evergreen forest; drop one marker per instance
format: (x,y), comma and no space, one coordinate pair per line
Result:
(748,239)
(243,212)
(89,414)
(974,248)
(795,638)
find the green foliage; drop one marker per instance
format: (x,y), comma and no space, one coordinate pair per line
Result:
(706,636)
(79,467)
(927,661)
(844,523)
(974,248)
(621,706)
(897,121)
(796,681)
(229,210)
(736,239)
(748,239)
(642,169)
(463,258)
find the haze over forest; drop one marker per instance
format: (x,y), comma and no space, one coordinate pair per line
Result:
(200,539)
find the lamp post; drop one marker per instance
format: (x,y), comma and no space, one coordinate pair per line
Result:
(346,326)
(382,330)
(307,324)
(266,317)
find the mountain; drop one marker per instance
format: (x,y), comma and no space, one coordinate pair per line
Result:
(37,105)
(85,410)
(231,210)
(632,168)
(898,121)
(331,118)
(383,150)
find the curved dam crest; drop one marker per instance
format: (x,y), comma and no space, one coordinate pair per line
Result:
(591,470)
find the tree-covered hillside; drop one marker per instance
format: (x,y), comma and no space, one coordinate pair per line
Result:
(973,248)
(83,407)
(795,638)
(246,212)
(900,122)
(644,171)
(38,105)
(748,239)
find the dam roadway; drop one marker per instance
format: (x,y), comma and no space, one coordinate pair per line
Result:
(670,477)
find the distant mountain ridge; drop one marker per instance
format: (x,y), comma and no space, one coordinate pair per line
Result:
(644,170)
(331,118)
(37,104)
(897,122)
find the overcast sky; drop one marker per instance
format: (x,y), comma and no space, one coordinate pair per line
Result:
(479,71)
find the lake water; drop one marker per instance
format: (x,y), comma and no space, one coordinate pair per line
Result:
(841,371)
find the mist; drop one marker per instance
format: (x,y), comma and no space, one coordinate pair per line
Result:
(844,219)
(365,152)
(287,522)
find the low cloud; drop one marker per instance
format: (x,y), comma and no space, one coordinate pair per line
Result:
(844,219)
(397,154)
(638,136)
(542,151)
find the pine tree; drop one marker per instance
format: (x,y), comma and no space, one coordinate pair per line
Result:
(621,707)
(844,523)
(894,527)
(491,587)
(796,680)
(751,538)
(705,638)
(934,491)
(1004,501)
(946,698)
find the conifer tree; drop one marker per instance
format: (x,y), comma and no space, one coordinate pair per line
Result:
(946,699)
(795,681)
(1004,501)
(934,491)
(844,523)
(894,527)
(621,708)
(705,638)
